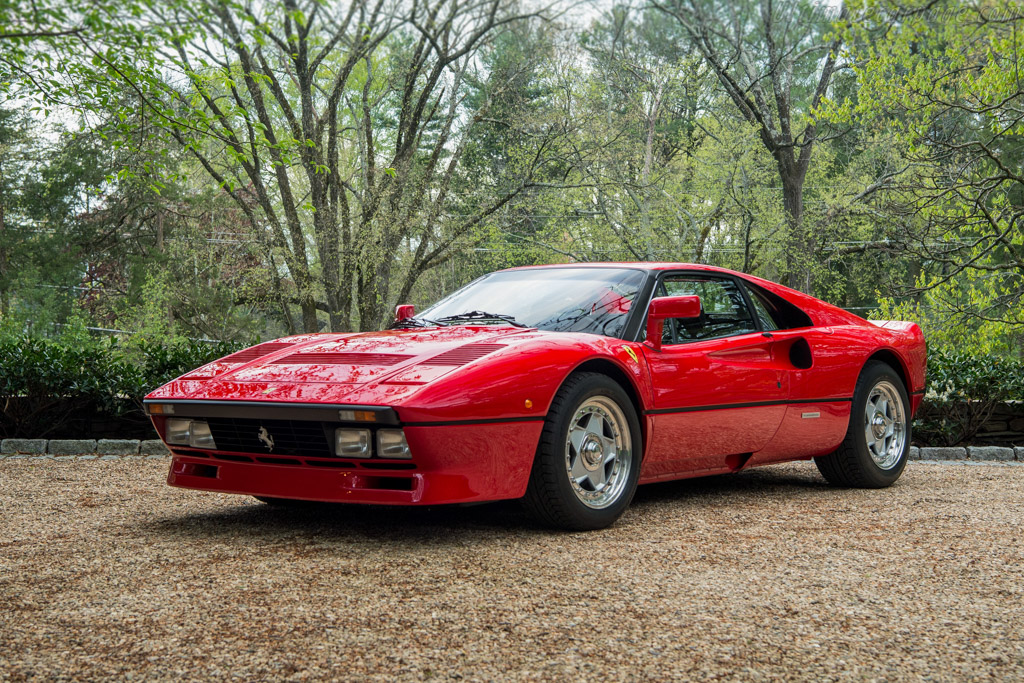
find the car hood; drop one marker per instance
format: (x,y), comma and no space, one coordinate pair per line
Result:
(341,367)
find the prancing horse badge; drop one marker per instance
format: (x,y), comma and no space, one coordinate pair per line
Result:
(265,437)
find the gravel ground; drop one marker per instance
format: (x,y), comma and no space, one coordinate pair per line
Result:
(105,572)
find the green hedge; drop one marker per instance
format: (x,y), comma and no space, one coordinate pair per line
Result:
(92,387)
(962,392)
(89,387)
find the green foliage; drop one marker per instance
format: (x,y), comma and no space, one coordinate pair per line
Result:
(938,82)
(62,387)
(963,390)
(207,193)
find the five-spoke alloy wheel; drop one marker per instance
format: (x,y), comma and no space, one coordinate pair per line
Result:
(874,452)
(588,461)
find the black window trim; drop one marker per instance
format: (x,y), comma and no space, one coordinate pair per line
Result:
(710,274)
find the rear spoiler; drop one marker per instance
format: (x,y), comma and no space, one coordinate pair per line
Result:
(901,325)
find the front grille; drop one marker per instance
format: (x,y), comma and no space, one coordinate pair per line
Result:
(291,437)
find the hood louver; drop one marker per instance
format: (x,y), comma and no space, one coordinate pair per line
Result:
(463,354)
(335,358)
(258,351)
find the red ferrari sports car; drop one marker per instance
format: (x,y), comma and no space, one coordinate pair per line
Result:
(564,385)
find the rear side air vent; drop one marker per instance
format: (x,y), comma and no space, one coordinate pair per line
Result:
(335,358)
(463,354)
(255,352)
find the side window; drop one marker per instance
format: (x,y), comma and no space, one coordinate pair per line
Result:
(725,311)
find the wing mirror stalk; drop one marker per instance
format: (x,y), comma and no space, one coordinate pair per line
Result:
(665,307)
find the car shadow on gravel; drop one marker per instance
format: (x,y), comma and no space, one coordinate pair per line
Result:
(326,521)
(775,481)
(487,522)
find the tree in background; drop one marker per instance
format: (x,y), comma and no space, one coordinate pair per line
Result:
(347,124)
(941,82)
(775,61)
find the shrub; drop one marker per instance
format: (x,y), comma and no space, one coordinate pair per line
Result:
(86,386)
(963,390)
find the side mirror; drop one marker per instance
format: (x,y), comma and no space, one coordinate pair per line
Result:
(662,308)
(404,312)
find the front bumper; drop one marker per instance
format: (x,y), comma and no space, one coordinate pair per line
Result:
(451,463)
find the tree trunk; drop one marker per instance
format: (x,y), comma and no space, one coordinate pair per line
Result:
(3,250)
(799,249)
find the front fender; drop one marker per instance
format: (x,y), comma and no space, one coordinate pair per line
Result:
(519,382)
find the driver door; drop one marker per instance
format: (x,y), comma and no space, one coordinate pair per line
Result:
(717,392)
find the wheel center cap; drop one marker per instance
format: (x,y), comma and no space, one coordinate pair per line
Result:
(878,425)
(592,453)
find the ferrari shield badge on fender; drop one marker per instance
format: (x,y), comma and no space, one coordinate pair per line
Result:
(632,353)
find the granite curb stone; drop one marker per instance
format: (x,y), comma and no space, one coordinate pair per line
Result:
(990,453)
(914,454)
(1019,450)
(153,447)
(71,446)
(15,446)
(118,446)
(957,453)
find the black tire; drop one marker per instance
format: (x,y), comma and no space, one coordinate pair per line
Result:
(552,497)
(852,464)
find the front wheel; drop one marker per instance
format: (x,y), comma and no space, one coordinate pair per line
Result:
(874,452)
(588,460)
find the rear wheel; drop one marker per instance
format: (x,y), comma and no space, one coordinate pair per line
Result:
(874,452)
(588,460)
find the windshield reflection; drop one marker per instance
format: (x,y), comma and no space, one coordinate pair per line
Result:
(594,300)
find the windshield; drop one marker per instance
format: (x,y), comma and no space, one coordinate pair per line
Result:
(594,300)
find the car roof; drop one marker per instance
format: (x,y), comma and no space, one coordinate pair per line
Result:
(634,265)
(822,312)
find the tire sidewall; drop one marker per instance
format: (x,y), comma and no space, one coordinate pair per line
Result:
(873,373)
(594,385)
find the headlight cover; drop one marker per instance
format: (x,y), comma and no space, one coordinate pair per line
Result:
(178,431)
(391,443)
(194,433)
(352,443)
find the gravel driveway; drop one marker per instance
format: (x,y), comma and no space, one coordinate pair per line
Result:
(106,572)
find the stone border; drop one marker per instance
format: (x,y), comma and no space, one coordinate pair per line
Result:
(970,453)
(156,447)
(83,447)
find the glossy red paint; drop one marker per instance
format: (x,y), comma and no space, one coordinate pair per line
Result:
(472,399)
(453,464)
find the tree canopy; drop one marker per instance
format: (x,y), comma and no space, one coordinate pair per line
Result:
(231,169)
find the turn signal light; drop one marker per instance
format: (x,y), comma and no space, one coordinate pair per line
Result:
(357,415)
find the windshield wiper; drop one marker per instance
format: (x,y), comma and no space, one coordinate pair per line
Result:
(414,322)
(480,315)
